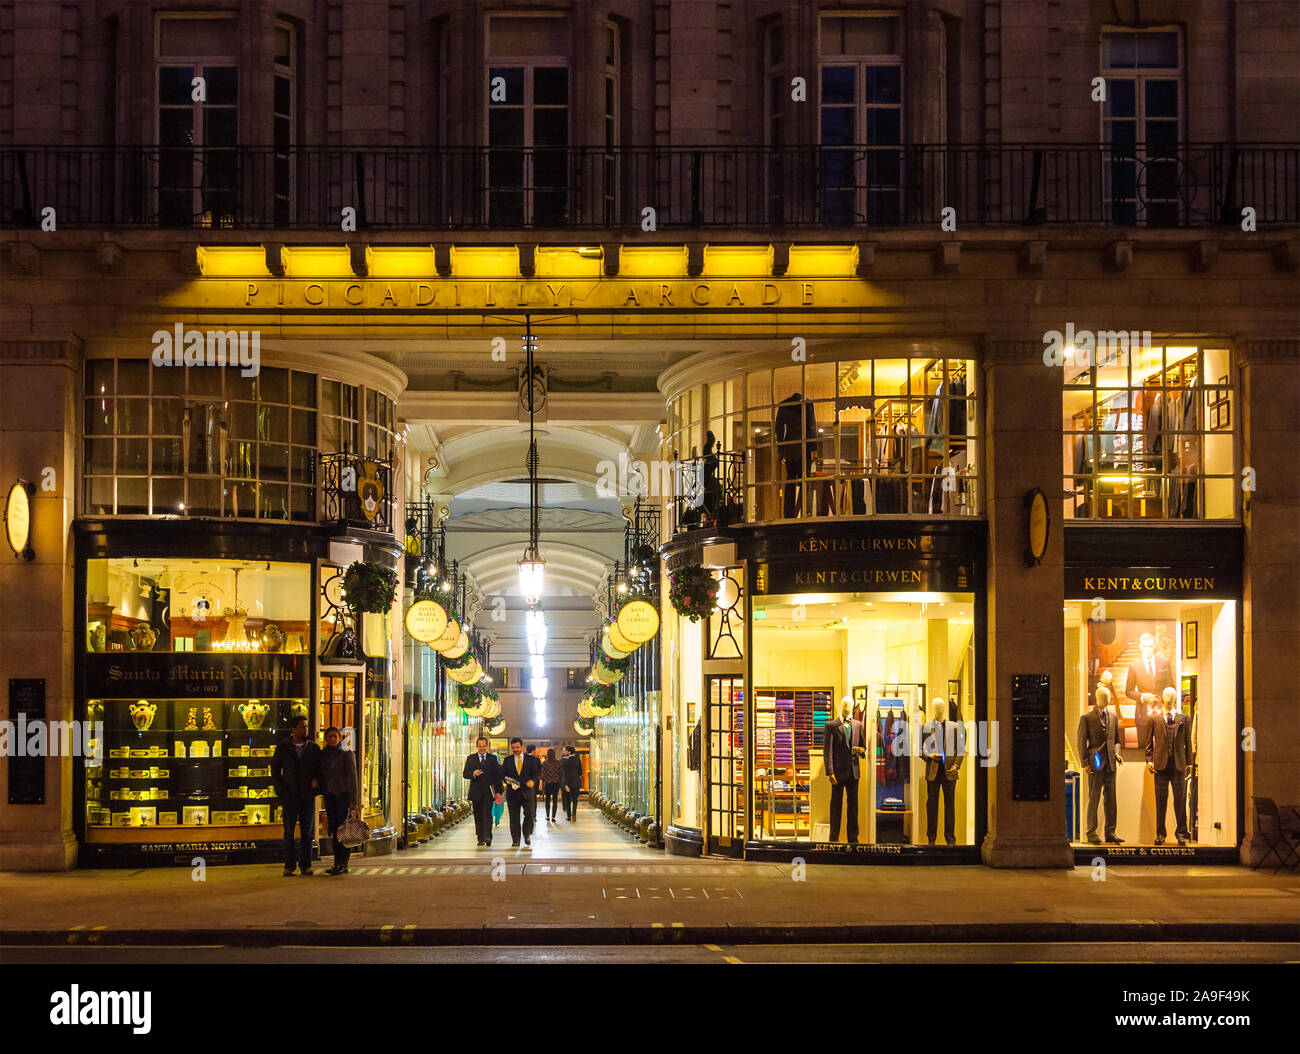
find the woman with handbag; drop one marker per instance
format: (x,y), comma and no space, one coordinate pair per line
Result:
(552,779)
(338,769)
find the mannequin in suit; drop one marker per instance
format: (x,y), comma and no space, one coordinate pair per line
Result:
(842,746)
(484,774)
(1167,750)
(944,748)
(524,772)
(1147,679)
(1098,740)
(796,433)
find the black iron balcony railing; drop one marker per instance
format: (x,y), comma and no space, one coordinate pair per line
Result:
(710,491)
(465,188)
(356,491)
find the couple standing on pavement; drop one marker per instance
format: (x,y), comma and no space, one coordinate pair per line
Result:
(519,778)
(301,770)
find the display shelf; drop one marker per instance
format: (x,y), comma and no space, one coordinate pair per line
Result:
(177,762)
(788,725)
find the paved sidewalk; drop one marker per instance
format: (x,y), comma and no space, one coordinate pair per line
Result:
(444,901)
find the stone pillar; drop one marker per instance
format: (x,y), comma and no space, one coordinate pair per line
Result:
(39,628)
(1022,450)
(1270,434)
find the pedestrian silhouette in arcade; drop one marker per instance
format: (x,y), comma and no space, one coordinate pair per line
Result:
(521,773)
(483,771)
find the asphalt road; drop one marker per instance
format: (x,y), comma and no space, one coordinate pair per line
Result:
(1178,952)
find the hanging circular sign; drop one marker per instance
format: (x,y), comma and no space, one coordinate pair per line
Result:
(584,710)
(425,620)
(638,621)
(18,519)
(605,675)
(607,646)
(459,648)
(619,641)
(495,726)
(467,674)
(493,709)
(580,729)
(477,710)
(448,637)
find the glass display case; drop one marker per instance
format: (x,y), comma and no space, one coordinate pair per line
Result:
(185,762)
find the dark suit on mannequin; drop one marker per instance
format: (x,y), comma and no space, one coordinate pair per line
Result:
(796,433)
(521,801)
(1167,753)
(841,760)
(1098,741)
(483,789)
(944,755)
(1143,681)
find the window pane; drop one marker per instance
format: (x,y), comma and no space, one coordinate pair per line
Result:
(132,417)
(1121,98)
(884,84)
(99,416)
(1157,50)
(99,456)
(221,85)
(505,128)
(204,380)
(273,384)
(550,86)
(198,36)
(1161,98)
(884,127)
(304,428)
(133,377)
(304,389)
(274,461)
(174,85)
(168,495)
(839,84)
(132,496)
(99,377)
(513,78)
(167,456)
(837,130)
(1119,50)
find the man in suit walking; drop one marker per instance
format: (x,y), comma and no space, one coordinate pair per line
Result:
(572,782)
(1147,679)
(521,773)
(1167,752)
(1098,740)
(842,745)
(483,771)
(295,771)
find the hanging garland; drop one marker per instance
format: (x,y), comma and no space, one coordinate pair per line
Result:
(600,697)
(694,592)
(456,664)
(471,695)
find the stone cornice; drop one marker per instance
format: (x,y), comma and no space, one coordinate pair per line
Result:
(1267,350)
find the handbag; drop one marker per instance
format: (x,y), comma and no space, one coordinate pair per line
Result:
(353,832)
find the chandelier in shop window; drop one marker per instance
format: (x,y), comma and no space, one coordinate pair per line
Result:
(236,637)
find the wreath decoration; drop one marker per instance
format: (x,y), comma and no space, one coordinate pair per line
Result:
(370,587)
(600,697)
(693,592)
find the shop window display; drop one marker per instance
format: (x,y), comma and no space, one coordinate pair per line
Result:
(207,441)
(856,437)
(1151,717)
(146,604)
(1149,434)
(868,688)
(190,762)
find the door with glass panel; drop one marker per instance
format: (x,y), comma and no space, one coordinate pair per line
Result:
(1141,127)
(861,120)
(724,765)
